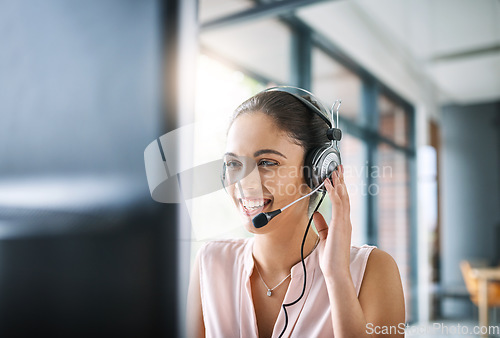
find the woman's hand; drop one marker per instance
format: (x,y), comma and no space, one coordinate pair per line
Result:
(381,299)
(335,240)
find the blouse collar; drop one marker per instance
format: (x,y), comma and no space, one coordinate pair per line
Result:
(297,269)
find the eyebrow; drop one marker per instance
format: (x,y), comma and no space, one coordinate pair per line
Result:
(260,152)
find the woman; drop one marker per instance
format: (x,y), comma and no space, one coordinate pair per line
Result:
(238,287)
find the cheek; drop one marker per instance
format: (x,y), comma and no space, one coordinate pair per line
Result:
(269,180)
(231,191)
(284,181)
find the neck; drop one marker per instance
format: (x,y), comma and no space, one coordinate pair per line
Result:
(278,251)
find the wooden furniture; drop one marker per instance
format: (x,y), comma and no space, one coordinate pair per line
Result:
(484,291)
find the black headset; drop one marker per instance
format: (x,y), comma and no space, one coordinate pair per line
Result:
(319,162)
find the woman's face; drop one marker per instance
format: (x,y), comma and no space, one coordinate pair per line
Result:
(274,172)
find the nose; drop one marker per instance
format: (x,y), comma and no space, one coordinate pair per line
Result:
(252,180)
(251,185)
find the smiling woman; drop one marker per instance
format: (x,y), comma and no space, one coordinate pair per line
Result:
(339,288)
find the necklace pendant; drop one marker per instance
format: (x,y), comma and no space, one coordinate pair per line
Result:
(269,292)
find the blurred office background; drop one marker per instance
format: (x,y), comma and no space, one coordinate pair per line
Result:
(84,250)
(85,86)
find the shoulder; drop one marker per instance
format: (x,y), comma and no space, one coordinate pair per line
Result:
(222,252)
(381,274)
(371,266)
(221,262)
(380,266)
(360,254)
(358,259)
(380,262)
(222,247)
(355,249)
(381,295)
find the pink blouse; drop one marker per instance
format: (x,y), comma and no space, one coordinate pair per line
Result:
(226,295)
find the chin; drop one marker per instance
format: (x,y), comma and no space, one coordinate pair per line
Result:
(250,228)
(248,224)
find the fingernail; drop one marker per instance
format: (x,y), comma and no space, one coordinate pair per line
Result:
(342,168)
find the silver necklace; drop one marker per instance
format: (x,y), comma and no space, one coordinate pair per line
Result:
(270,291)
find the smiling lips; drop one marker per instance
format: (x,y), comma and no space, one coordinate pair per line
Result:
(252,206)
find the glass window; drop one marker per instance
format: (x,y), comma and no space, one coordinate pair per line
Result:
(331,81)
(393,121)
(392,175)
(261,46)
(353,152)
(215,9)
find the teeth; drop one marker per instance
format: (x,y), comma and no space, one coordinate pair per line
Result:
(252,204)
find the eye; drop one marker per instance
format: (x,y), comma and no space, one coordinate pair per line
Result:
(268,163)
(233,165)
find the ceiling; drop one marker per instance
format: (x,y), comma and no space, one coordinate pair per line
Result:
(453,46)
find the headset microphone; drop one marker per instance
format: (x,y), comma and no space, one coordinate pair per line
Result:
(264,217)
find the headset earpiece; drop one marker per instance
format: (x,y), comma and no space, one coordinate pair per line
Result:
(319,164)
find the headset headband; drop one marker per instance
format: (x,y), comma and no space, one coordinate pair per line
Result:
(299,93)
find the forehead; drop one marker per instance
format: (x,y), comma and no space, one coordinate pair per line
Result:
(255,131)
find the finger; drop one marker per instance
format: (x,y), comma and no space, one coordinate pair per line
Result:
(329,188)
(336,180)
(333,183)
(332,191)
(341,186)
(337,210)
(347,203)
(321,226)
(344,192)
(341,178)
(338,184)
